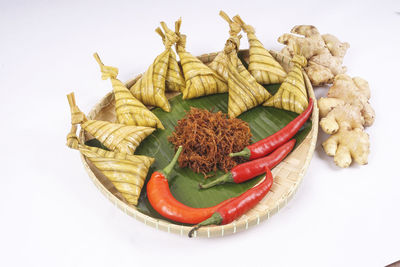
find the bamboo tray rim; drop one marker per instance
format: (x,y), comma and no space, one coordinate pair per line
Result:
(245,221)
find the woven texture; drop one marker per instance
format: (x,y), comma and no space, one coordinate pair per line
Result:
(287,175)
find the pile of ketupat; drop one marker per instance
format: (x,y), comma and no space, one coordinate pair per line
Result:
(126,171)
(193,79)
(207,139)
(135,121)
(226,73)
(346,110)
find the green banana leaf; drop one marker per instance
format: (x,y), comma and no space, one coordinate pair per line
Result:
(263,122)
(96,143)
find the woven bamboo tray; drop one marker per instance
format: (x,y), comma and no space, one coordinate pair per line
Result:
(287,175)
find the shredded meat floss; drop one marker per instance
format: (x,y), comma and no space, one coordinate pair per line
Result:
(208,138)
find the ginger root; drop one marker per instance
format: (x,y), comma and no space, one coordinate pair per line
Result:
(348,144)
(354,91)
(324,53)
(344,113)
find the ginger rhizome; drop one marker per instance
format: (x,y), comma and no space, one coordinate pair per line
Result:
(344,113)
(324,53)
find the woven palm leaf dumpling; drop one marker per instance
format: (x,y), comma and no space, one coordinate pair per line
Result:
(150,88)
(243,95)
(174,79)
(200,80)
(128,109)
(114,136)
(292,94)
(126,172)
(264,68)
(244,91)
(219,63)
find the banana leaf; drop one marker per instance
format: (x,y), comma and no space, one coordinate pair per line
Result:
(263,122)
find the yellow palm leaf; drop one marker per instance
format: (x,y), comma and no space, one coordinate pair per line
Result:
(126,172)
(128,109)
(292,94)
(174,80)
(114,136)
(200,80)
(264,68)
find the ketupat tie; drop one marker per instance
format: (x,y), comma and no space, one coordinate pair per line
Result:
(174,80)
(114,136)
(126,172)
(264,68)
(200,80)
(128,109)
(292,94)
(150,88)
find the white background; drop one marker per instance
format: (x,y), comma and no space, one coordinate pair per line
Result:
(51,214)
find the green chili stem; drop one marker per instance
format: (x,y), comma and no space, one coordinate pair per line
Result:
(168,169)
(216,218)
(244,153)
(227,177)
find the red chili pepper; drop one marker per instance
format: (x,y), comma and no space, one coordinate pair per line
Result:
(245,171)
(163,201)
(269,144)
(238,206)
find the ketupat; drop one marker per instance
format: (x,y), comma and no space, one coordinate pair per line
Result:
(200,80)
(324,52)
(292,94)
(244,91)
(150,88)
(128,109)
(264,68)
(114,136)
(174,79)
(344,113)
(219,63)
(126,172)
(284,60)
(243,95)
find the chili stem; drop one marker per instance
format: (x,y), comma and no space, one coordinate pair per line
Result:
(227,177)
(244,153)
(216,218)
(168,169)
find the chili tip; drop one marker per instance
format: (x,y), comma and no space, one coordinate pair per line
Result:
(216,218)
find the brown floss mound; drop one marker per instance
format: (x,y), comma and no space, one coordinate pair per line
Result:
(207,139)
